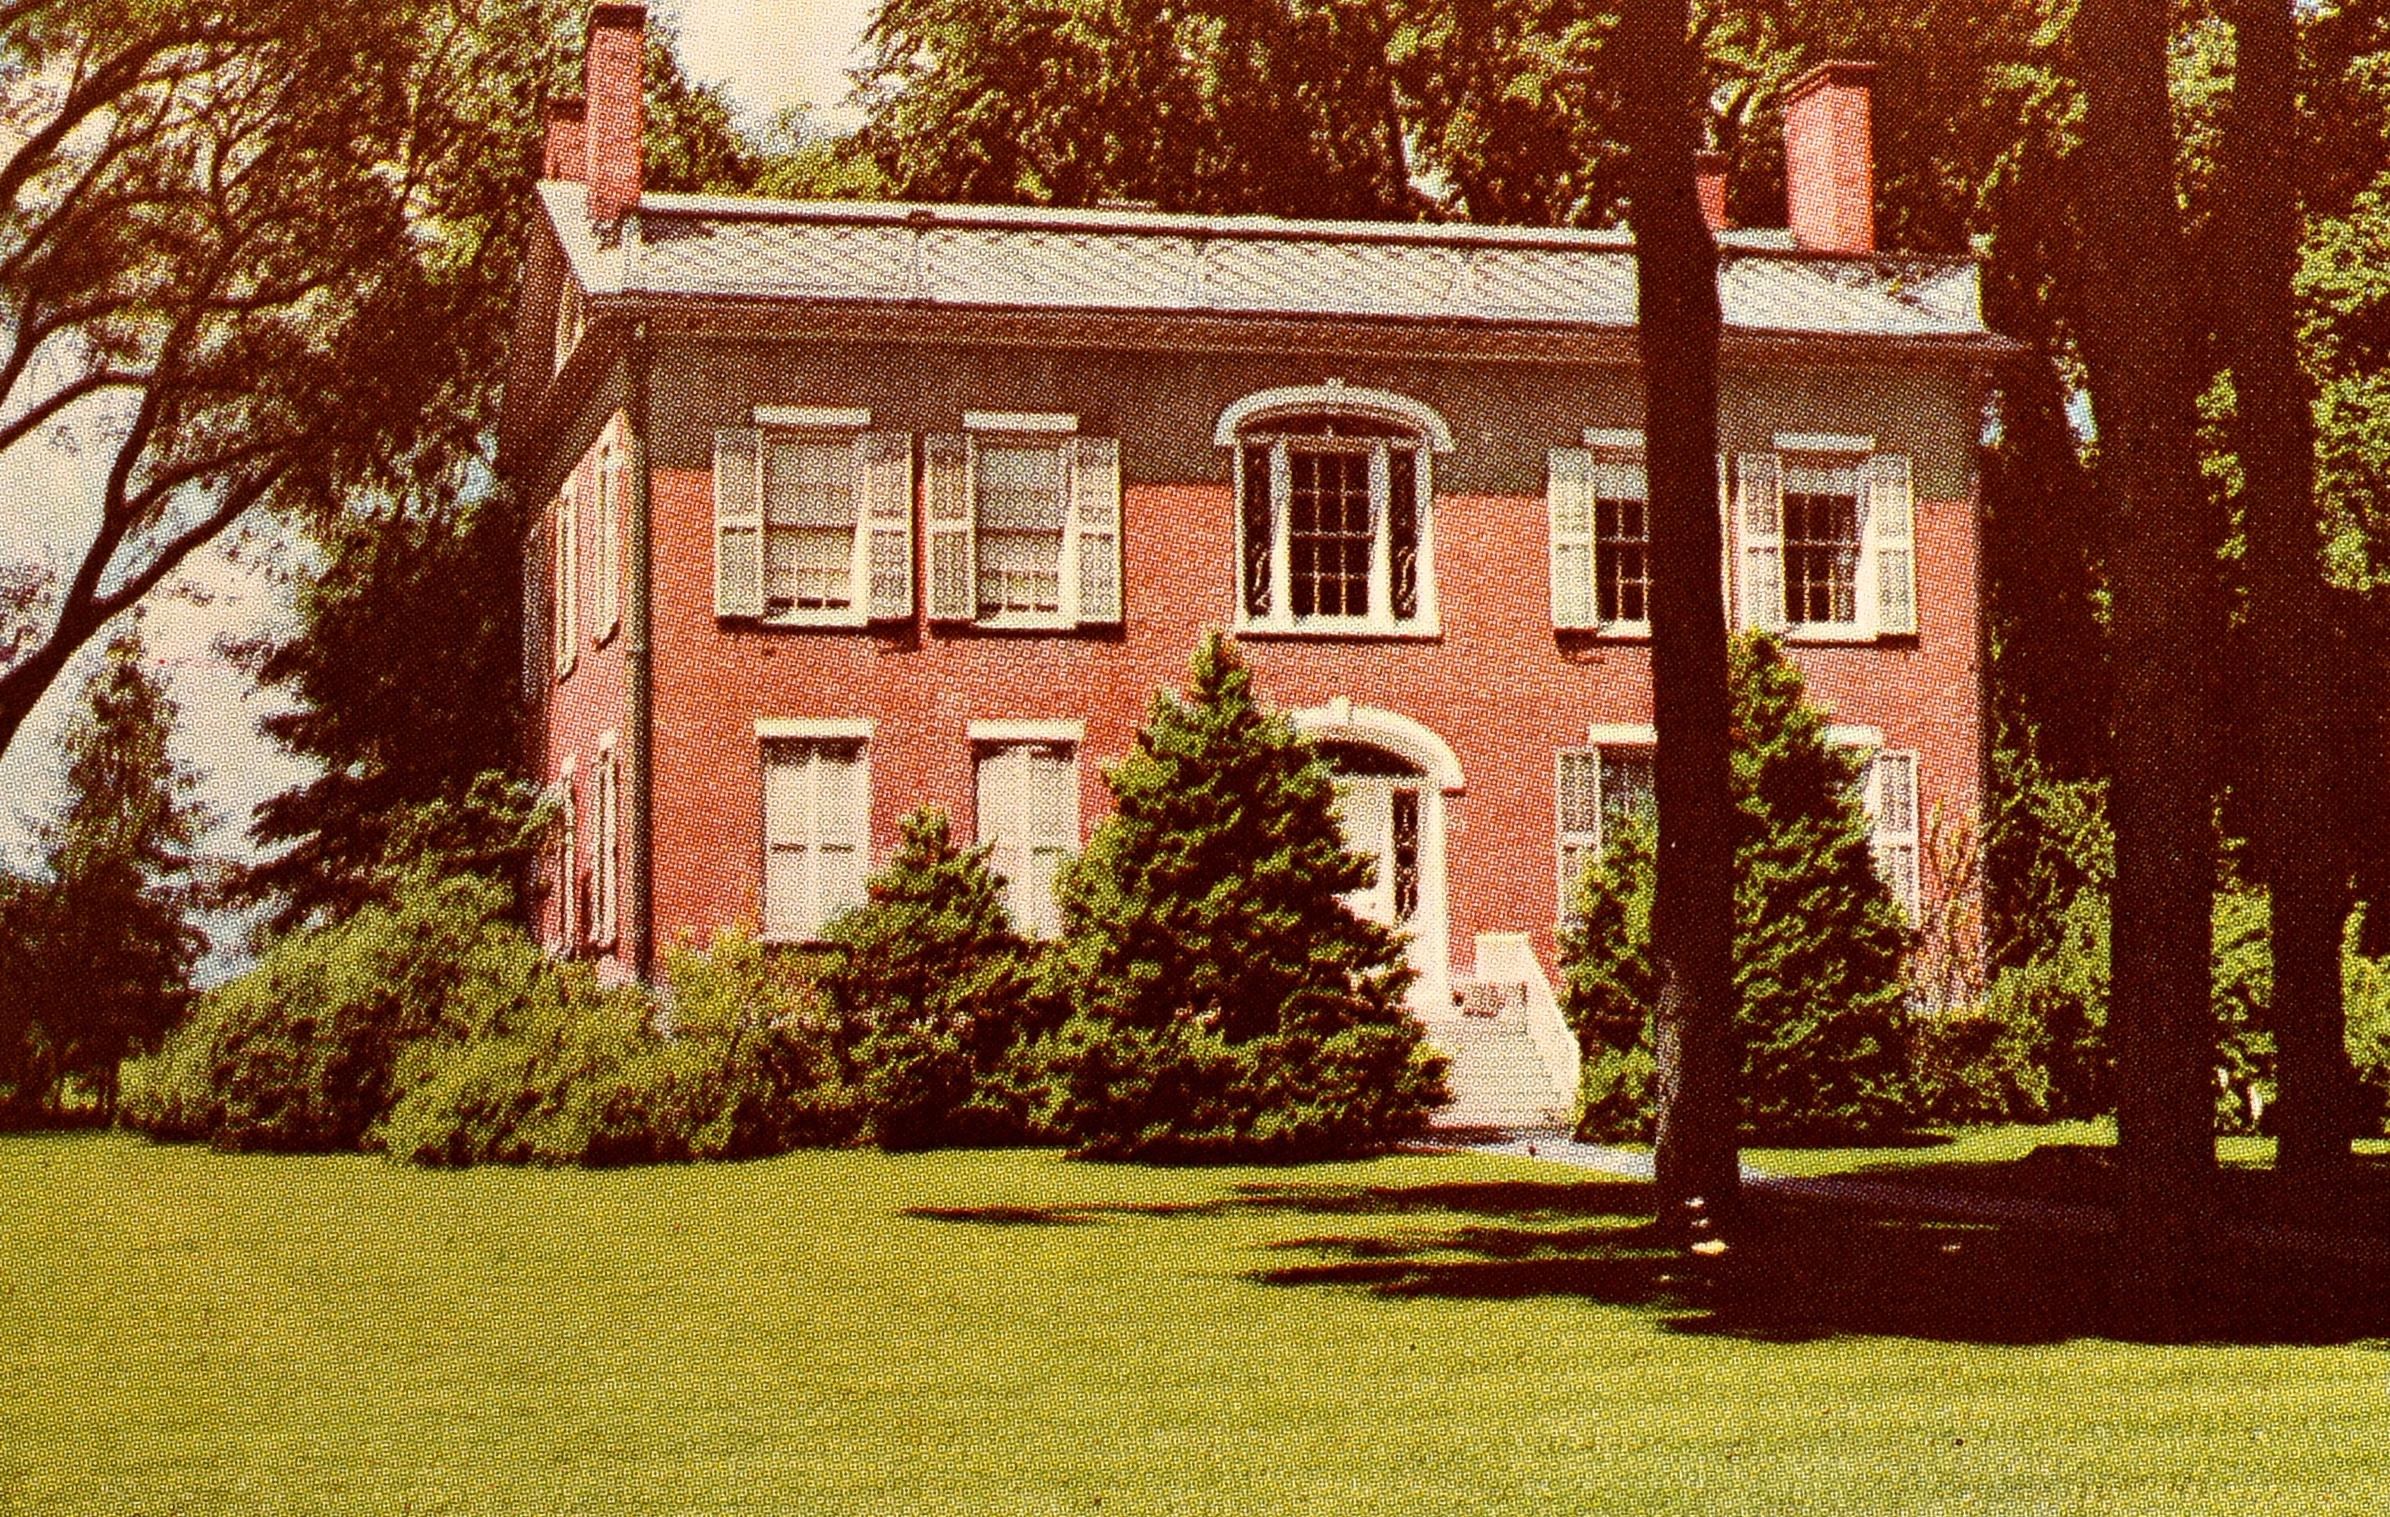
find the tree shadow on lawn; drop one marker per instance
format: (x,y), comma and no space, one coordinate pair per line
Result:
(1807,1270)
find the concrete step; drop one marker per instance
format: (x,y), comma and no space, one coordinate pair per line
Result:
(1497,1077)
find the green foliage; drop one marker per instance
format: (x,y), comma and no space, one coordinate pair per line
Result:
(799,161)
(1609,981)
(388,729)
(2049,1015)
(1818,940)
(941,998)
(433,1027)
(1205,107)
(304,1053)
(742,1066)
(102,941)
(1618,1095)
(1225,1001)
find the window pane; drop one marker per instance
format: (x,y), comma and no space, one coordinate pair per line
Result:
(1020,489)
(1622,528)
(1020,571)
(808,567)
(1821,556)
(1329,532)
(1578,796)
(809,484)
(1896,794)
(1406,854)
(1402,530)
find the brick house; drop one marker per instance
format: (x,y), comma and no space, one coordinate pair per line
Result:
(858,507)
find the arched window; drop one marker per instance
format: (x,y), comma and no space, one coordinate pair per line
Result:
(1335,507)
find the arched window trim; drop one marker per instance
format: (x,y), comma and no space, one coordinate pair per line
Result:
(1254,410)
(1275,592)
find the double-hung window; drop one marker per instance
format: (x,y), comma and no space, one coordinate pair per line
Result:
(1600,510)
(816,827)
(1024,522)
(1825,534)
(606,526)
(1601,787)
(1028,805)
(565,577)
(605,861)
(567,862)
(813,519)
(1888,789)
(1335,524)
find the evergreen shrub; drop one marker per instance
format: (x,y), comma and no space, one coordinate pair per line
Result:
(304,1052)
(741,1065)
(1225,1003)
(1818,939)
(942,1000)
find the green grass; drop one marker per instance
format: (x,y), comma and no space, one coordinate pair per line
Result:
(182,1331)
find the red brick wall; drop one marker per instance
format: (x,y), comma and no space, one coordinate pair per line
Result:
(1500,686)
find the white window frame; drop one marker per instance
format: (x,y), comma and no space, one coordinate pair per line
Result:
(1887,840)
(607,524)
(880,570)
(1602,739)
(994,742)
(821,427)
(1573,495)
(1379,620)
(567,862)
(811,738)
(1883,590)
(566,570)
(1090,580)
(605,885)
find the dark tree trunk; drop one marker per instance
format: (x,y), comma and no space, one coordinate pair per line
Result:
(2161,1026)
(2297,843)
(1676,262)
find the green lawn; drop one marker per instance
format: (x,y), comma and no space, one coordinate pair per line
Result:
(183,1331)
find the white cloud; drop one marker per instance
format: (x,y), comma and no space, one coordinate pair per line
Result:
(774,53)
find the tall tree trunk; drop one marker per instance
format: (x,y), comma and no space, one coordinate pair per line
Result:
(2161,1025)
(2297,845)
(1676,265)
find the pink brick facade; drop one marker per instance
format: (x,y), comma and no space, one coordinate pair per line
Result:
(1499,684)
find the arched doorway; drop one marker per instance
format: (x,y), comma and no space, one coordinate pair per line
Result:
(1394,782)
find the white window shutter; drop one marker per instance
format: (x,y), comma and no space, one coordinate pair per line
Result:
(738,522)
(1568,493)
(953,558)
(1759,478)
(1892,539)
(887,465)
(1095,521)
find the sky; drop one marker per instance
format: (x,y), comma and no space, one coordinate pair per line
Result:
(773,53)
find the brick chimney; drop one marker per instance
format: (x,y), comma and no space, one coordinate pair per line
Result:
(566,155)
(616,132)
(1709,179)
(1829,158)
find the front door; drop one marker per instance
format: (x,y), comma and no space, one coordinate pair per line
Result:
(1385,811)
